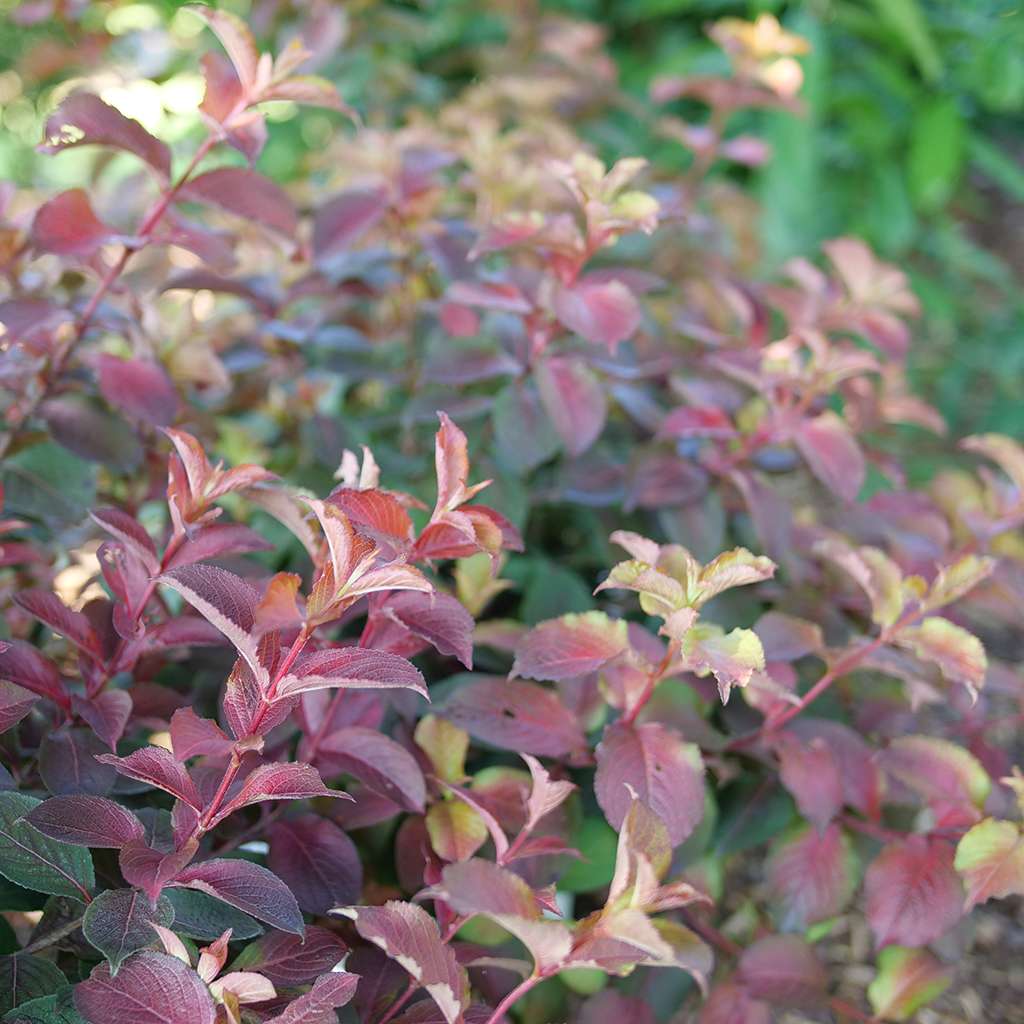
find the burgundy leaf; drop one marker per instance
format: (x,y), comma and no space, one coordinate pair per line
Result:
(86,821)
(50,609)
(295,781)
(344,219)
(603,312)
(140,388)
(317,861)
(192,736)
(697,421)
(572,645)
(574,400)
(21,663)
(351,668)
(382,764)
(663,771)
(246,194)
(150,870)
(156,767)
(784,970)
(329,992)
(215,540)
(85,120)
(68,226)
(247,887)
(227,602)
(832,453)
(15,703)
(437,618)
(859,772)
(130,533)
(150,988)
(107,713)
(913,894)
(288,960)
(810,772)
(69,763)
(409,935)
(515,716)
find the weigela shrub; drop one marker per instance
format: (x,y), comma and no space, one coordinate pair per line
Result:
(247,777)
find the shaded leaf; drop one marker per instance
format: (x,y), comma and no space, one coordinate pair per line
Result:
(317,861)
(120,922)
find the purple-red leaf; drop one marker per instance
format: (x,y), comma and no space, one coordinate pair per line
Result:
(85,120)
(21,663)
(288,960)
(784,970)
(383,765)
(295,781)
(663,771)
(516,716)
(832,453)
(912,893)
(246,194)
(68,226)
(247,887)
(574,400)
(130,533)
(811,774)
(156,767)
(85,821)
(346,218)
(437,618)
(192,736)
(329,992)
(318,862)
(351,668)
(140,388)
(50,609)
(15,703)
(408,934)
(107,713)
(603,312)
(572,645)
(150,988)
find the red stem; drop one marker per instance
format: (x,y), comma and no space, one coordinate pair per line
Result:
(513,997)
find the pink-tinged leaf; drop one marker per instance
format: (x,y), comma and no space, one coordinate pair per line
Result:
(574,400)
(246,194)
(192,736)
(811,774)
(787,638)
(245,986)
(227,602)
(437,618)
(907,979)
(317,861)
(570,646)
(50,609)
(697,421)
(604,313)
(140,388)
(150,988)
(15,703)
(504,298)
(352,668)
(783,970)
(131,534)
(732,1004)
(546,793)
(942,773)
(408,934)
(150,870)
(832,453)
(107,713)
(663,771)
(912,893)
(156,767)
(379,515)
(289,961)
(329,992)
(990,858)
(236,38)
(451,463)
(344,219)
(516,716)
(309,90)
(811,875)
(292,781)
(86,821)
(68,226)
(85,120)
(22,664)
(861,777)
(482,887)
(247,887)
(216,540)
(383,765)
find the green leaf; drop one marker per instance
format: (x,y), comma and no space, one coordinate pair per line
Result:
(910,24)
(120,921)
(936,157)
(24,977)
(202,917)
(597,843)
(32,860)
(58,1008)
(996,164)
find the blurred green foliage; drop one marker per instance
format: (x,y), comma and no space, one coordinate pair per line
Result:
(910,138)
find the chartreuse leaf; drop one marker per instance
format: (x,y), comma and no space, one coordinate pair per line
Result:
(120,922)
(907,979)
(33,861)
(990,858)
